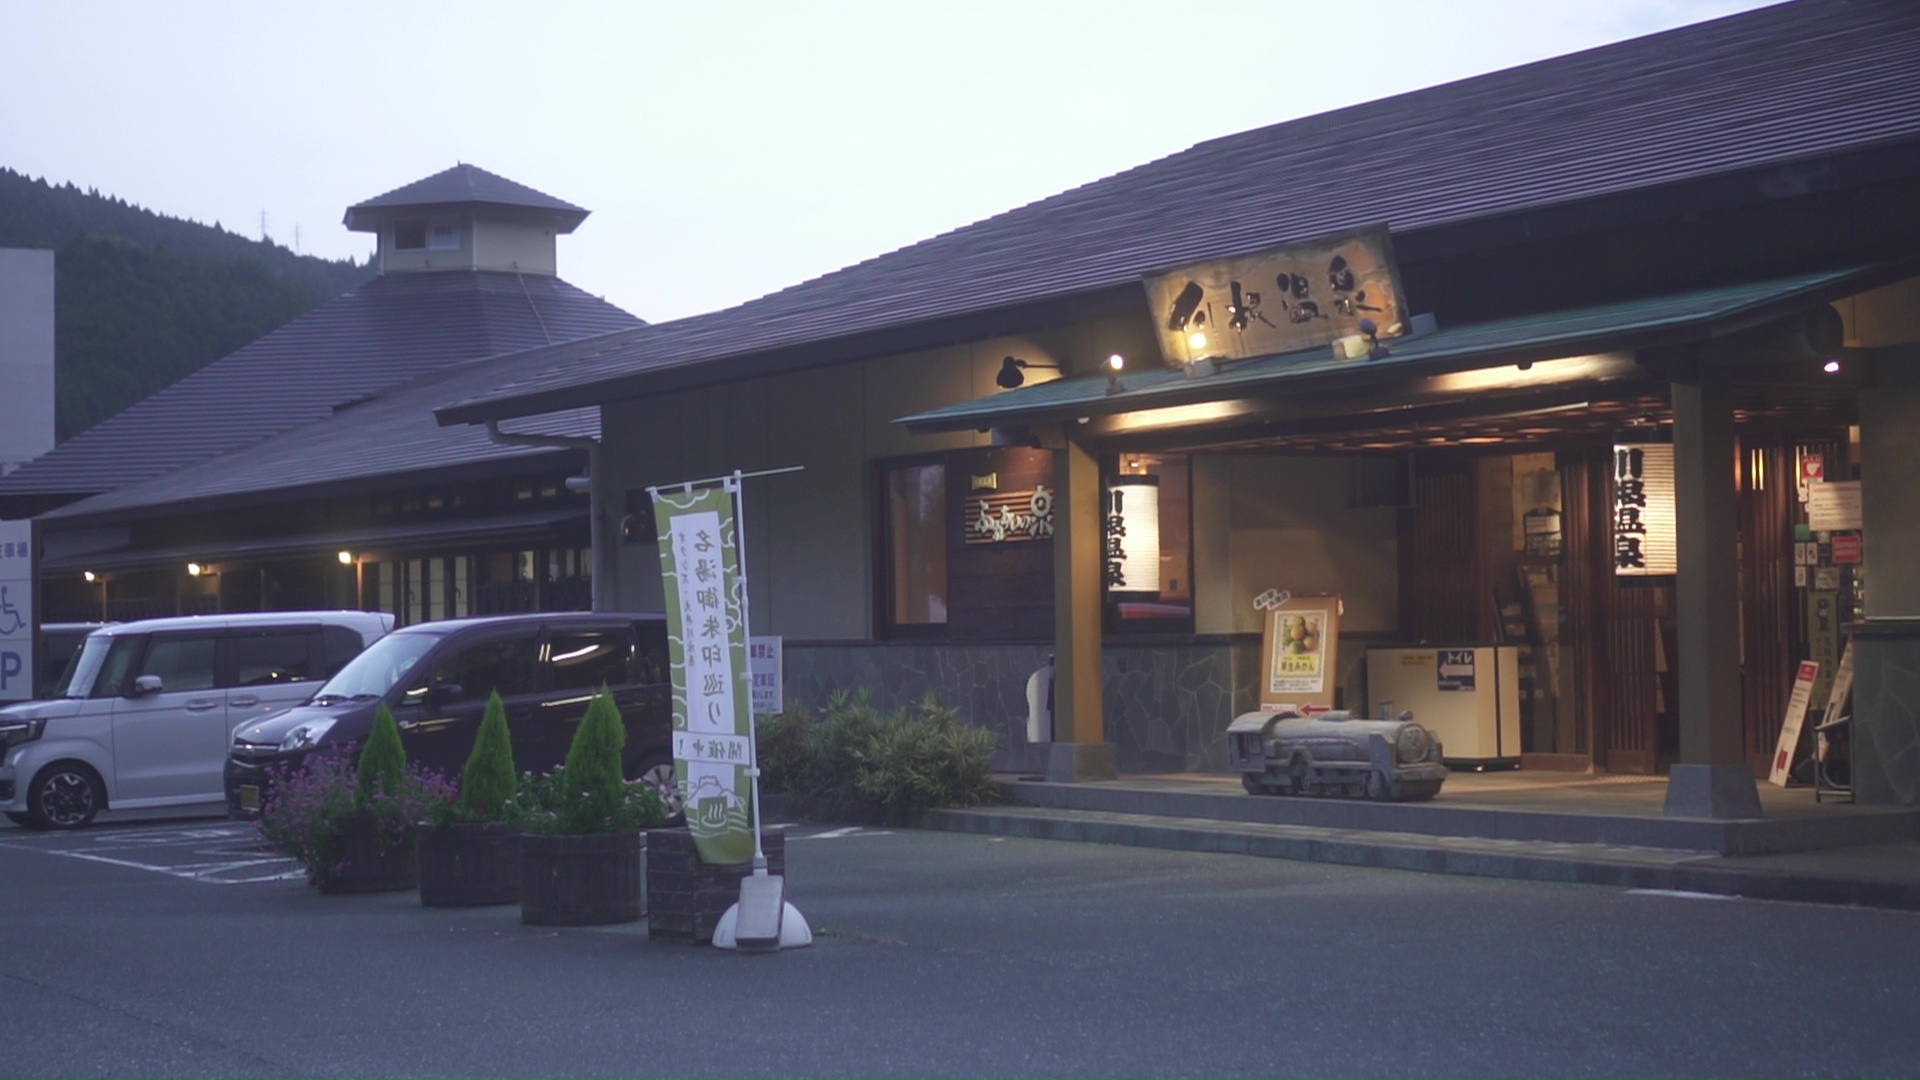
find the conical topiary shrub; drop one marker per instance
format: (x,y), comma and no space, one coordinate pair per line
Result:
(383,761)
(593,787)
(488,783)
(471,855)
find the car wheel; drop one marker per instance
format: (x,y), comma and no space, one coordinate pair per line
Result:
(657,774)
(65,795)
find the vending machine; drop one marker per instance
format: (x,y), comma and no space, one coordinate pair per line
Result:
(1469,697)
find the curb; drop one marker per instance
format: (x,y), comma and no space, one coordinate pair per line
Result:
(1519,860)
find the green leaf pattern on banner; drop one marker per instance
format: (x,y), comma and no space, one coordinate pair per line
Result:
(707,639)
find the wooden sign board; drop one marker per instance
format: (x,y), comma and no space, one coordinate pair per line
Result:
(1299,653)
(1277,301)
(1796,718)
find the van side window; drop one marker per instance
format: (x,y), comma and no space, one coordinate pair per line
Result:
(505,665)
(583,660)
(338,644)
(182,662)
(653,653)
(116,672)
(271,657)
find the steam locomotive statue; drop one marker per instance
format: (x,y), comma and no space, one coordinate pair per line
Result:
(1332,753)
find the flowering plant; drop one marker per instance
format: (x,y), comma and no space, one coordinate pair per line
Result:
(307,809)
(589,794)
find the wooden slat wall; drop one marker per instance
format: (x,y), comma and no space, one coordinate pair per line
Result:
(1626,701)
(1440,582)
(1582,533)
(1767,612)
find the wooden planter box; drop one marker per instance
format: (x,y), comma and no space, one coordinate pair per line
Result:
(468,865)
(590,880)
(370,861)
(685,896)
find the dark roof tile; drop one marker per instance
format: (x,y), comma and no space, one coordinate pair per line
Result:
(1762,89)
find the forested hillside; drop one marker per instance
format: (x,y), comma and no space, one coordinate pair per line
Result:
(142,299)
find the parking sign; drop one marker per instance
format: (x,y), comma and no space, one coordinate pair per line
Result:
(16,610)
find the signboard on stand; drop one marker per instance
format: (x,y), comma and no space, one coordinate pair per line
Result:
(1796,718)
(1299,651)
(17,662)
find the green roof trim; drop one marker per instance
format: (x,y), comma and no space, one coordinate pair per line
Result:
(1660,320)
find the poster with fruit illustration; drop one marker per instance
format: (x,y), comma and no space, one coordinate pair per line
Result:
(1299,650)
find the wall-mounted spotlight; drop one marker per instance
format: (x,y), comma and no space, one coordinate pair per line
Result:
(1010,371)
(1196,341)
(1832,366)
(89,575)
(194,569)
(1375,350)
(1113,366)
(346,558)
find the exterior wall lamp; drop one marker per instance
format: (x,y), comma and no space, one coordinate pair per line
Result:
(346,558)
(1010,374)
(1113,366)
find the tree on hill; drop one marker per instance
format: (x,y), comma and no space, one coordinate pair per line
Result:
(143,300)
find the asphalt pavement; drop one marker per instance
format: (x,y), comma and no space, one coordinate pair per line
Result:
(180,948)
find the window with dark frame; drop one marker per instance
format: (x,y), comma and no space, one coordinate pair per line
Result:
(916,544)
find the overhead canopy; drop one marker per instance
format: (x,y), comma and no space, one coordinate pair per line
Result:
(1603,337)
(504,528)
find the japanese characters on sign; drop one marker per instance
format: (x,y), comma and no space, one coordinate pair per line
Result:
(707,638)
(1007,517)
(1277,301)
(1643,513)
(764,661)
(1130,556)
(16,611)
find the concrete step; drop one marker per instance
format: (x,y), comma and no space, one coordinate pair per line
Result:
(1569,821)
(1891,882)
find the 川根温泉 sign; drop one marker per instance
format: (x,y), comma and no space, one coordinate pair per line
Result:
(706,593)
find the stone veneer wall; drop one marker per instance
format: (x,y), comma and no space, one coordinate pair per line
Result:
(1167,706)
(1886,713)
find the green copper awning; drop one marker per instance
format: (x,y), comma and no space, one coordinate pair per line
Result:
(1674,319)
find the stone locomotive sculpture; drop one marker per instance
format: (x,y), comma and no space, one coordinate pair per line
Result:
(1332,753)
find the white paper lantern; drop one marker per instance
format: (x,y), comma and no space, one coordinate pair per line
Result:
(1133,535)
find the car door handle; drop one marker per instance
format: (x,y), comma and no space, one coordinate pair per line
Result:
(201,705)
(425,725)
(244,701)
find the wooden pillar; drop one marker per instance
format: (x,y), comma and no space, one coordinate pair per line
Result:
(1080,750)
(1713,777)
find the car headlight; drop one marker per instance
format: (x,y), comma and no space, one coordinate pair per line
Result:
(15,732)
(1412,744)
(306,735)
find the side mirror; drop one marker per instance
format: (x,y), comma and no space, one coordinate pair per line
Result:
(146,684)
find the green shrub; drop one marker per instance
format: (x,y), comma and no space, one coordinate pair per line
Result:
(907,760)
(488,783)
(589,794)
(383,761)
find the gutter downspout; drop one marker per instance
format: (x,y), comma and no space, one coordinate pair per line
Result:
(603,590)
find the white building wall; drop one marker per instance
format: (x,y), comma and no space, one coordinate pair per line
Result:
(26,355)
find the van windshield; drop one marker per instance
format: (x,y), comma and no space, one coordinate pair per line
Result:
(377,670)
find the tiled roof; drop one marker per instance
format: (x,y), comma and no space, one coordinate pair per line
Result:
(1754,93)
(464,184)
(387,332)
(390,435)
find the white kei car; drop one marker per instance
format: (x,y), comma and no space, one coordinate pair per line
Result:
(147,710)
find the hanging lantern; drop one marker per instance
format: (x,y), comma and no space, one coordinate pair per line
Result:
(1132,557)
(1643,512)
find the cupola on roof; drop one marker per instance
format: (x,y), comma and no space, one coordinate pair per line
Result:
(464,186)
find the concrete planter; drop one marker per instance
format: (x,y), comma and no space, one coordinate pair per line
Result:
(585,880)
(469,865)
